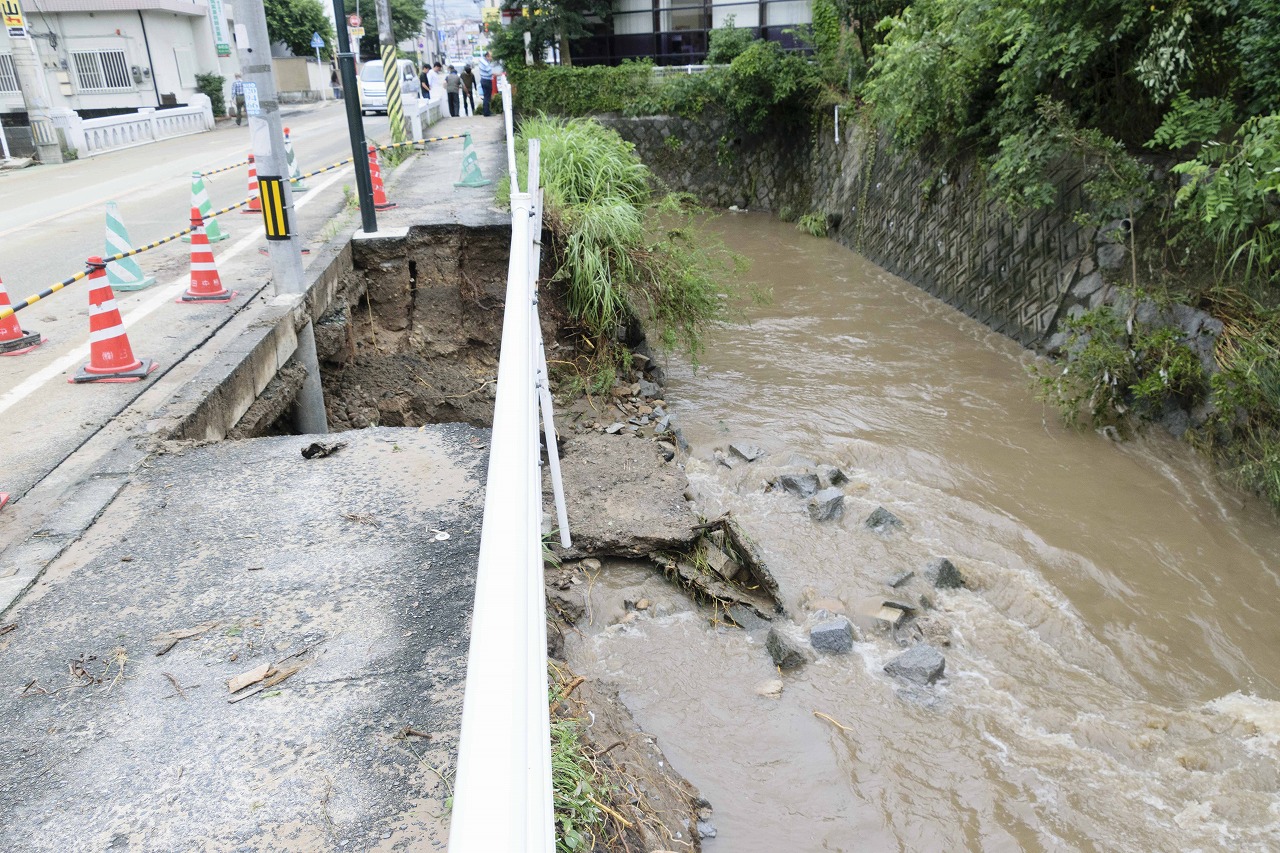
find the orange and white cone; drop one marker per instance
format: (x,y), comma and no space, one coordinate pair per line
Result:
(375,176)
(205,285)
(255,196)
(14,340)
(4,499)
(111,358)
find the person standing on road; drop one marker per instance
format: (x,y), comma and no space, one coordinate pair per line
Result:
(485,68)
(424,83)
(237,92)
(436,79)
(452,87)
(468,87)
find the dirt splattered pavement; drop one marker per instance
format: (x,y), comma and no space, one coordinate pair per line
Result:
(334,592)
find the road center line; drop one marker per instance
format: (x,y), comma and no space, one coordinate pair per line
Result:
(166,295)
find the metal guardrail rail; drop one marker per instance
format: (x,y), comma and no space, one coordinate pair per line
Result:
(502,791)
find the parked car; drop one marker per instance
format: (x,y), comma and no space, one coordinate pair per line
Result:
(373,86)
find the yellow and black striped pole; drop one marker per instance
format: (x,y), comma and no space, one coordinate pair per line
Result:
(395,100)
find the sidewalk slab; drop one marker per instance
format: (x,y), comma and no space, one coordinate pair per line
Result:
(331,571)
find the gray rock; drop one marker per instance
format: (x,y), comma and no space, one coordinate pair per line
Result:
(900,578)
(943,574)
(726,461)
(1176,421)
(827,505)
(1087,286)
(831,475)
(922,664)
(650,389)
(881,519)
(785,651)
(568,604)
(800,485)
(613,429)
(1111,256)
(706,829)
(746,452)
(747,618)
(1056,342)
(834,636)
(917,695)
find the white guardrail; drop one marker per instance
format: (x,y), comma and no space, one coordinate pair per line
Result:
(502,791)
(90,137)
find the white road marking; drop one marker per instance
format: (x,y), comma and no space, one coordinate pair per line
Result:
(166,295)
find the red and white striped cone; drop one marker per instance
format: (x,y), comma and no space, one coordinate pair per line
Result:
(205,285)
(375,175)
(4,499)
(255,196)
(14,340)
(111,358)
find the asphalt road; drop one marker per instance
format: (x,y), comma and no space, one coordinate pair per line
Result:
(53,217)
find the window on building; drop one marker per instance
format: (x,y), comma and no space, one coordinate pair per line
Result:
(8,80)
(101,69)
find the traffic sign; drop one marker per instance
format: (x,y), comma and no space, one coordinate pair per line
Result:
(357,32)
(316,41)
(353,21)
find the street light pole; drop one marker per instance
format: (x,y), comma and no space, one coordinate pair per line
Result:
(355,125)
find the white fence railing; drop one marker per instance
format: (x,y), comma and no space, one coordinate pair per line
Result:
(502,791)
(90,137)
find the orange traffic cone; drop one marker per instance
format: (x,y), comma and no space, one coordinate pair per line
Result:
(4,499)
(110,356)
(13,339)
(255,197)
(375,175)
(205,285)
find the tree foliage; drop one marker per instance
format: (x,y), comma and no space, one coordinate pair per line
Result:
(550,24)
(406,21)
(293,21)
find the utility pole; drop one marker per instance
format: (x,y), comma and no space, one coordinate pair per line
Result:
(30,74)
(355,124)
(390,73)
(283,246)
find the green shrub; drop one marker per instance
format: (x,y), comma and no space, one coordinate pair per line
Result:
(728,42)
(211,85)
(578,788)
(813,224)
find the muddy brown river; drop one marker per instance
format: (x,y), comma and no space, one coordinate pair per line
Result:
(1113,667)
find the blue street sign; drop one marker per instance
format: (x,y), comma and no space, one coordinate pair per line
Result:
(316,41)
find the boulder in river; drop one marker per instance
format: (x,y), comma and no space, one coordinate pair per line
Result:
(881,520)
(785,651)
(943,574)
(800,485)
(922,664)
(827,505)
(745,452)
(833,636)
(831,475)
(900,578)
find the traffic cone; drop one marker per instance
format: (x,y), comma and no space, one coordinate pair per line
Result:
(110,356)
(124,274)
(375,175)
(471,174)
(4,499)
(295,171)
(255,198)
(13,339)
(200,199)
(205,285)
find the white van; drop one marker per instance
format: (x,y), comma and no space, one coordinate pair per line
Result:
(373,87)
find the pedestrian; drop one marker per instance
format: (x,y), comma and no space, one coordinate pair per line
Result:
(336,84)
(485,68)
(436,76)
(237,92)
(468,87)
(452,86)
(424,83)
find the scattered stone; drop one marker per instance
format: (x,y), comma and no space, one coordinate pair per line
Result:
(648,389)
(706,829)
(800,485)
(827,505)
(643,604)
(921,664)
(900,578)
(568,604)
(943,574)
(831,475)
(785,651)
(590,564)
(613,429)
(720,563)
(771,689)
(747,618)
(917,695)
(834,636)
(881,519)
(746,452)
(724,460)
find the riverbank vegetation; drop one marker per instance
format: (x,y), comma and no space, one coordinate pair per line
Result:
(622,250)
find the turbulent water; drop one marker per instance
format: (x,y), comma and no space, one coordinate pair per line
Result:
(1113,667)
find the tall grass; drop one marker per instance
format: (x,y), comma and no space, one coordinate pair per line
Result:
(624,251)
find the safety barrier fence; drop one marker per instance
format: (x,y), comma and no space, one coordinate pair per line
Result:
(503,798)
(80,276)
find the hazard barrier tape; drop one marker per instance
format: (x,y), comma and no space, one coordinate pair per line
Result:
(419,141)
(224,168)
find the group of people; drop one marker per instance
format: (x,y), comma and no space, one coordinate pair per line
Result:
(460,88)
